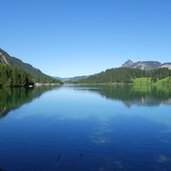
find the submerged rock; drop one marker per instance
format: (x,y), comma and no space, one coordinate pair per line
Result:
(60,157)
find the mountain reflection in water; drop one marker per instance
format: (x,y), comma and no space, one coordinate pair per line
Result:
(132,95)
(94,128)
(13,98)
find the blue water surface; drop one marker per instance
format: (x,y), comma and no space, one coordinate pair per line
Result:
(74,128)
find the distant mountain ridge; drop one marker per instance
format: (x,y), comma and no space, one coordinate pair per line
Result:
(72,79)
(145,65)
(166,65)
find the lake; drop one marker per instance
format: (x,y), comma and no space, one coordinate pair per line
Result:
(85,128)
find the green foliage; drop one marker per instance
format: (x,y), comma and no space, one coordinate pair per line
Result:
(158,74)
(14,77)
(142,81)
(36,74)
(128,75)
(163,82)
(117,75)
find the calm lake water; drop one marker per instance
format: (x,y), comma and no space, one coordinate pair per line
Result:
(95,128)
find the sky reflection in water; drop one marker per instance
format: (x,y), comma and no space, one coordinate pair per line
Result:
(88,129)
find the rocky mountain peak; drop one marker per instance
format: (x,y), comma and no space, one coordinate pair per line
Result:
(144,65)
(3,59)
(128,63)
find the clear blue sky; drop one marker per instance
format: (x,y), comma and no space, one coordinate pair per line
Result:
(80,37)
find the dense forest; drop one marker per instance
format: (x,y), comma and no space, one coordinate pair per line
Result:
(14,72)
(15,77)
(126,75)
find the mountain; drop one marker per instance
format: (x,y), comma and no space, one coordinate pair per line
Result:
(72,79)
(166,65)
(37,75)
(144,65)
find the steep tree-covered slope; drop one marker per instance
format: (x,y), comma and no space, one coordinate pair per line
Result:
(36,75)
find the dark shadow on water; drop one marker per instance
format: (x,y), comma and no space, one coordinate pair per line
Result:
(13,98)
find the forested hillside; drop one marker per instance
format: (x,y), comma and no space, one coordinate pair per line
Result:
(14,72)
(126,75)
(14,77)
